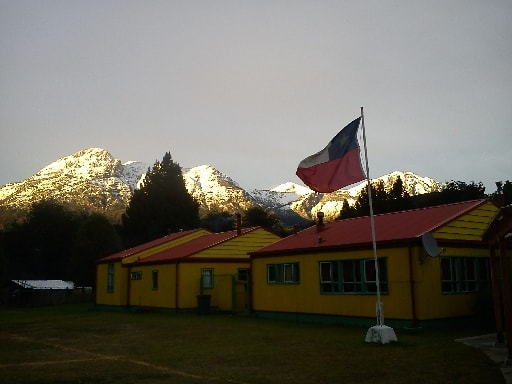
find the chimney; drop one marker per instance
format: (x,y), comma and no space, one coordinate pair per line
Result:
(320,222)
(238,224)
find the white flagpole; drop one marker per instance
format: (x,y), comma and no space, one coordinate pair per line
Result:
(379,311)
(380,332)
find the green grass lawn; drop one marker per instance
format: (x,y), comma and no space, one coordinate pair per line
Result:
(71,344)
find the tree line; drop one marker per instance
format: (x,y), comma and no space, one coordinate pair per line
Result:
(398,199)
(55,242)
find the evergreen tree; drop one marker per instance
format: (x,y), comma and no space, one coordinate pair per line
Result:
(258,216)
(219,221)
(56,243)
(160,206)
(40,247)
(347,211)
(383,201)
(379,200)
(95,237)
(451,192)
(503,194)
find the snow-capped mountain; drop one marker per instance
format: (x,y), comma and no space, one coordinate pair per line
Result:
(215,191)
(90,179)
(308,205)
(93,180)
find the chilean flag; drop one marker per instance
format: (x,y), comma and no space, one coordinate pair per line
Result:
(335,166)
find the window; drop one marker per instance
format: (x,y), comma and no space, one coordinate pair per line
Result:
(371,275)
(207,277)
(291,273)
(464,274)
(243,274)
(353,276)
(110,278)
(448,275)
(154,279)
(285,273)
(329,276)
(136,275)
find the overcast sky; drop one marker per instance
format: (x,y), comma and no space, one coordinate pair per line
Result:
(253,87)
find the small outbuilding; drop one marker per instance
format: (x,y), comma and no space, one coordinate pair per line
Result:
(328,272)
(40,292)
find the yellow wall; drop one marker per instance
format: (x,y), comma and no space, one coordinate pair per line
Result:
(431,303)
(188,285)
(221,293)
(118,296)
(142,293)
(306,297)
(469,228)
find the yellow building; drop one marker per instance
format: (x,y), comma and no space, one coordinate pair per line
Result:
(197,270)
(328,271)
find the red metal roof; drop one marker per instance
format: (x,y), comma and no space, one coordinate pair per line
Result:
(139,248)
(192,247)
(395,226)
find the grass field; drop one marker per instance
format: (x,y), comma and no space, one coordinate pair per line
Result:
(71,344)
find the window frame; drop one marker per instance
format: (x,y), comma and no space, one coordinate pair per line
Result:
(283,273)
(204,281)
(154,279)
(110,277)
(136,275)
(353,276)
(243,274)
(464,274)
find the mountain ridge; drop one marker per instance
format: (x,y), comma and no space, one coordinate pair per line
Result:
(93,180)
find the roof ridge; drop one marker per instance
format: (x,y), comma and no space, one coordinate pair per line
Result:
(436,206)
(480,201)
(210,239)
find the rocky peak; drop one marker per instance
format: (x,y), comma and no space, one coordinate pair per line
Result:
(92,179)
(84,164)
(215,191)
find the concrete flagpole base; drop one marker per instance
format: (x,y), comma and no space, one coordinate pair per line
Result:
(380,334)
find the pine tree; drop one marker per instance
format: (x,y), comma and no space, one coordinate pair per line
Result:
(383,201)
(259,216)
(162,205)
(94,238)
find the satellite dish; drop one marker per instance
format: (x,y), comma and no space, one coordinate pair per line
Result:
(430,244)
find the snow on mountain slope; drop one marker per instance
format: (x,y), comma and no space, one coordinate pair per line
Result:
(92,179)
(215,191)
(133,173)
(331,203)
(88,179)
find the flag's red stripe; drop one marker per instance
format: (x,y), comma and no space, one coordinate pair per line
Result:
(334,174)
